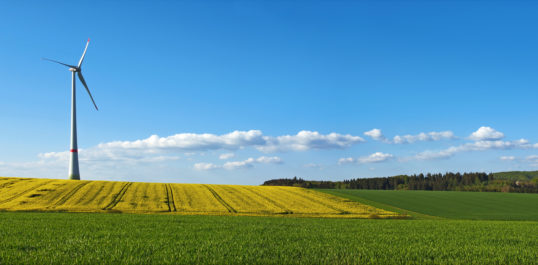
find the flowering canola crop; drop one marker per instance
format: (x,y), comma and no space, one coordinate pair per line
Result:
(26,194)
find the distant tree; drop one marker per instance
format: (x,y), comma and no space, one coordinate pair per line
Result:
(478,181)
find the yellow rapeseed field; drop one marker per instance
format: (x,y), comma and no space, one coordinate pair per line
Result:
(26,194)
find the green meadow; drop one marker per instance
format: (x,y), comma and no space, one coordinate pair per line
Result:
(82,238)
(449,204)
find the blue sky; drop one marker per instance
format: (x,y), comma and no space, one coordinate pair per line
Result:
(244,91)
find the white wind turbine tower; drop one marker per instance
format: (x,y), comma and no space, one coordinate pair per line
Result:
(73,160)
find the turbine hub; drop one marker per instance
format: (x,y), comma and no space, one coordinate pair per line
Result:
(73,69)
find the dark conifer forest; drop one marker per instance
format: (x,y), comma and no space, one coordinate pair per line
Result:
(478,181)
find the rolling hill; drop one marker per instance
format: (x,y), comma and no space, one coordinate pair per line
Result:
(516,175)
(32,194)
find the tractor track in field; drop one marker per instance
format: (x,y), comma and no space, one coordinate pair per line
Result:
(224,203)
(70,194)
(286,210)
(93,196)
(117,198)
(25,191)
(311,198)
(170,198)
(7,183)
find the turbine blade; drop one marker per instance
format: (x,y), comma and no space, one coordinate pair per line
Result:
(87,89)
(83,54)
(72,66)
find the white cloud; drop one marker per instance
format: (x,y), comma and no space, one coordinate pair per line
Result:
(205,166)
(302,141)
(63,156)
(431,136)
(28,165)
(475,146)
(377,135)
(269,160)
(192,142)
(226,156)
(34,169)
(126,158)
(507,158)
(108,155)
(94,165)
(430,155)
(239,164)
(487,145)
(155,148)
(373,158)
(346,160)
(532,158)
(306,140)
(248,163)
(485,133)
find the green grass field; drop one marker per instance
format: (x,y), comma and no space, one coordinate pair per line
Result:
(82,238)
(448,228)
(449,204)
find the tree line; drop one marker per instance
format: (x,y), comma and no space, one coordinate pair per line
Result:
(474,181)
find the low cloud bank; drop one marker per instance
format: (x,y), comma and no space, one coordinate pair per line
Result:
(248,163)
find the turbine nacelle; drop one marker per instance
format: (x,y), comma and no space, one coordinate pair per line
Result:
(77,69)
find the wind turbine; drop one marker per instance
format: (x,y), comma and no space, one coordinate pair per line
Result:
(73,159)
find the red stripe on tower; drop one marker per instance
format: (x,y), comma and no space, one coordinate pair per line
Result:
(74,150)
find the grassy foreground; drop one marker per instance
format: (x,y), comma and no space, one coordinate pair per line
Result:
(449,204)
(83,238)
(27,194)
